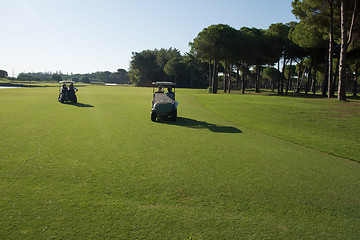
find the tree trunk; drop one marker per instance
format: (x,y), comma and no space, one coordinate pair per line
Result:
(336,76)
(257,78)
(308,81)
(331,43)
(237,77)
(298,78)
(278,78)
(356,80)
(288,80)
(314,81)
(209,76)
(225,76)
(325,84)
(229,78)
(283,76)
(215,81)
(342,67)
(272,82)
(243,80)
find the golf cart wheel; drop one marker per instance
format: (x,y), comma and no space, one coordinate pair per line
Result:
(153,116)
(174,116)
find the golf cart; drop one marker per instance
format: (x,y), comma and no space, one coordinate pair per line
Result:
(67,94)
(163,104)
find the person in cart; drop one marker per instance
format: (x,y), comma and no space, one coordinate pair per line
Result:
(163,105)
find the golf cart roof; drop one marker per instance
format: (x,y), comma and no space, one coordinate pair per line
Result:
(67,81)
(163,84)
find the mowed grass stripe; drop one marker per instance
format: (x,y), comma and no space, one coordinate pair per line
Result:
(104,170)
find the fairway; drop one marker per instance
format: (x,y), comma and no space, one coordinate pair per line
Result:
(102,169)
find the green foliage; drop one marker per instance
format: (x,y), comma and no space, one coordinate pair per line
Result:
(85,79)
(121,77)
(102,170)
(26,77)
(3,74)
(56,77)
(271,73)
(158,65)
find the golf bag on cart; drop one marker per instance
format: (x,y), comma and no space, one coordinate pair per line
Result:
(63,95)
(71,94)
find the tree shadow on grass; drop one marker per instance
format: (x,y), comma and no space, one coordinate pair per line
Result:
(295,95)
(310,95)
(192,123)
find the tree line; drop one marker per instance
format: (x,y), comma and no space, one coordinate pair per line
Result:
(319,52)
(167,65)
(326,36)
(121,76)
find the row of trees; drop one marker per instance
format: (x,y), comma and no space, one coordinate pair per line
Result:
(326,36)
(121,76)
(169,65)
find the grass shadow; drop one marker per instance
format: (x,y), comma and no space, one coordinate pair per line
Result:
(192,123)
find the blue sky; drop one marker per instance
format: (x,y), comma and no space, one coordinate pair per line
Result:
(84,36)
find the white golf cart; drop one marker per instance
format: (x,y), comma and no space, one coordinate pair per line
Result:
(163,103)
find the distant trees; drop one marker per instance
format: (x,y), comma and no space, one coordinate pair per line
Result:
(85,79)
(56,77)
(167,65)
(3,74)
(121,76)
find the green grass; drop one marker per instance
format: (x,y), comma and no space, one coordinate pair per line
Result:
(102,170)
(323,124)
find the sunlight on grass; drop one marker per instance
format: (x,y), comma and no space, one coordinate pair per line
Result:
(102,169)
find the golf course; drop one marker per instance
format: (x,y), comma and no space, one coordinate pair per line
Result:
(233,166)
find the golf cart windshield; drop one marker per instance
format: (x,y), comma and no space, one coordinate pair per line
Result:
(160,95)
(164,84)
(66,81)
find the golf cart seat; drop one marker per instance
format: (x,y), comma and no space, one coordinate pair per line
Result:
(162,97)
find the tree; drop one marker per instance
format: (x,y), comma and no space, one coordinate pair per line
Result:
(121,76)
(76,79)
(175,67)
(262,51)
(3,74)
(320,13)
(272,74)
(346,38)
(148,65)
(56,77)
(214,43)
(85,79)
(279,32)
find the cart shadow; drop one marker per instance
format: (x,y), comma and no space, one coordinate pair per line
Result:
(79,105)
(192,123)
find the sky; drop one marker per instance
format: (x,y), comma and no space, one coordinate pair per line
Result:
(86,36)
